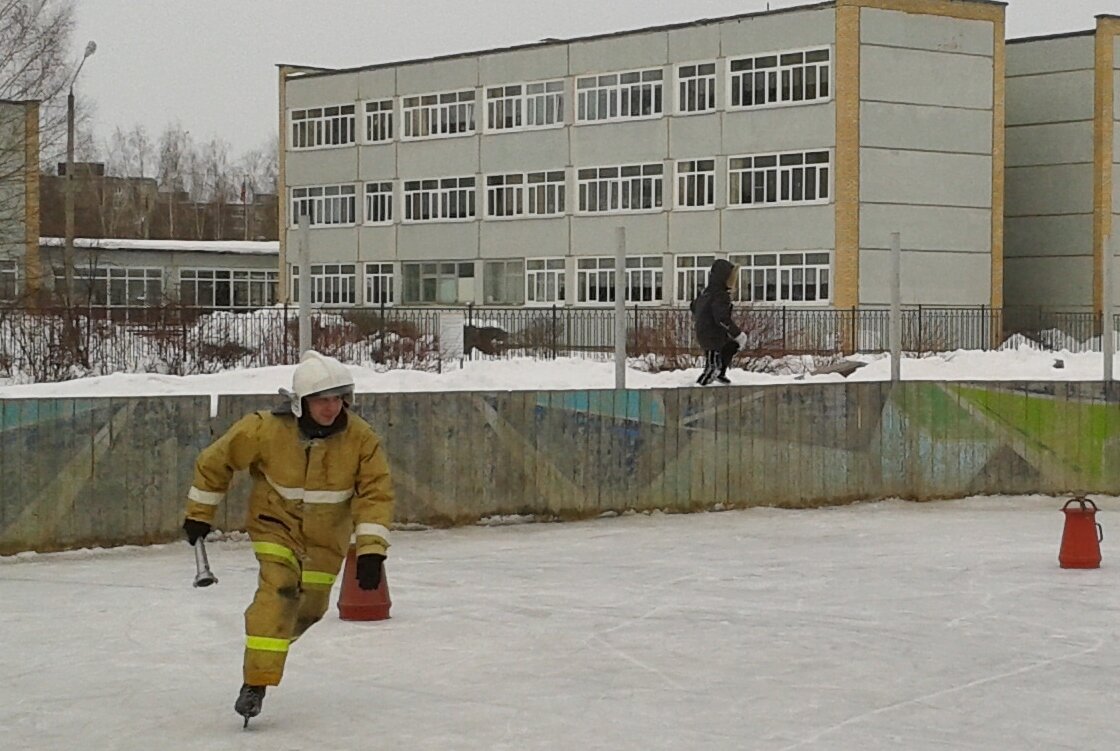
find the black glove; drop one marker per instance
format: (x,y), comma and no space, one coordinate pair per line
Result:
(369,570)
(195,530)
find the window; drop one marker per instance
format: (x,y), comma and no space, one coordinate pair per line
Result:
(798,177)
(227,288)
(545,193)
(115,287)
(504,282)
(324,205)
(8,280)
(785,78)
(644,279)
(595,279)
(696,88)
(437,115)
(544,280)
(331,283)
(518,106)
(692,276)
(783,277)
(439,198)
(379,203)
(323,126)
(636,187)
(696,184)
(544,104)
(619,96)
(379,284)
(446,282)
(379,121)
(504,195)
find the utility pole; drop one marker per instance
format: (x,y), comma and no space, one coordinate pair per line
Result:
(68,185)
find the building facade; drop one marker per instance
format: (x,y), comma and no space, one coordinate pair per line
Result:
(19,197)
(1063,165)
(131,273)
(792,142)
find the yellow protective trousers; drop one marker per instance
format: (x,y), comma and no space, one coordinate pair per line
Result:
(293,593)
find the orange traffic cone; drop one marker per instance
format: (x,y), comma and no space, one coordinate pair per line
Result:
(357,604)
(1082,535)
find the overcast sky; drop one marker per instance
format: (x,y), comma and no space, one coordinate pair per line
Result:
(210,64)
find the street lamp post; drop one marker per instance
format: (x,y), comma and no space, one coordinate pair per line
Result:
(68,185)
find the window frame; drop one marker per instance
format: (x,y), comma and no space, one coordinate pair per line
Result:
(9,279)
(384,273)
(370,197)
(777,184)
(435,114)
(438,275)
(713,87)
(369,117)
(321,126)
(604,269)
(235,278)
(701,265)
(321,200)
(436,204)
(753,271)
(617,186)
(523,100)
(779,69)
(553,273)
(708,177)
(614,93)
(513,269)
(318,290)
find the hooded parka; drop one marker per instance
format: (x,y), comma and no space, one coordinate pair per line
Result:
(307,497)
(711,309)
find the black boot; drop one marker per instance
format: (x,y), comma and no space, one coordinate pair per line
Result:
(249,701)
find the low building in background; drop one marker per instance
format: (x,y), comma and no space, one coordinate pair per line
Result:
(207,275)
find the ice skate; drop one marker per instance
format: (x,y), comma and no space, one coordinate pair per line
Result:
(249,702)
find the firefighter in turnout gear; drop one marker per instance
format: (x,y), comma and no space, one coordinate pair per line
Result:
(319,475)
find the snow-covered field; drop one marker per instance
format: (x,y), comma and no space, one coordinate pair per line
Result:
(1022,364)
(875,627)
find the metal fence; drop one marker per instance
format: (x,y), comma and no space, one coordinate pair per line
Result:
(45,344)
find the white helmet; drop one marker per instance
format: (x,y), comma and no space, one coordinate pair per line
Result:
(319,375)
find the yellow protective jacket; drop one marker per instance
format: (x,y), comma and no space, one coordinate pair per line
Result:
(309,493)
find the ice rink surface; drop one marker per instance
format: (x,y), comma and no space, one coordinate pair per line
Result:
(890,625)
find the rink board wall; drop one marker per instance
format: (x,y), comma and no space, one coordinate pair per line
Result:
(109,471)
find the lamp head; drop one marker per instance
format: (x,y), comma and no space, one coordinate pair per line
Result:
(91,47)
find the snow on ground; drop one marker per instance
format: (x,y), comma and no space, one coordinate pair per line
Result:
(871,627)
(1022,364)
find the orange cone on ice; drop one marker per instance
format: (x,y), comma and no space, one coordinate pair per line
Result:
(357,604)
(1082,535)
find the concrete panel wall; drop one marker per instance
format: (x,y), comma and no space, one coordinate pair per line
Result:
(928,278)
(926,140)
(1052,281)
(931,228)
(780,31)
(1050,190)
(460,457)
(926,178)
(1060,235)
(1064,96)
(803,228)
(539,239)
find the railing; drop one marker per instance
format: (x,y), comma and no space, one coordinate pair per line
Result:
(45,344)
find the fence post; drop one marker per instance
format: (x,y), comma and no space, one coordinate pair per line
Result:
(785,345)
(921,339)
(554,343)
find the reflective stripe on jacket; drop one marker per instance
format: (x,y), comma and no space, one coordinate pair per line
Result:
(321,490)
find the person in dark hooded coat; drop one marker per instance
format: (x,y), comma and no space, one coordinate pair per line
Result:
(716,332)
